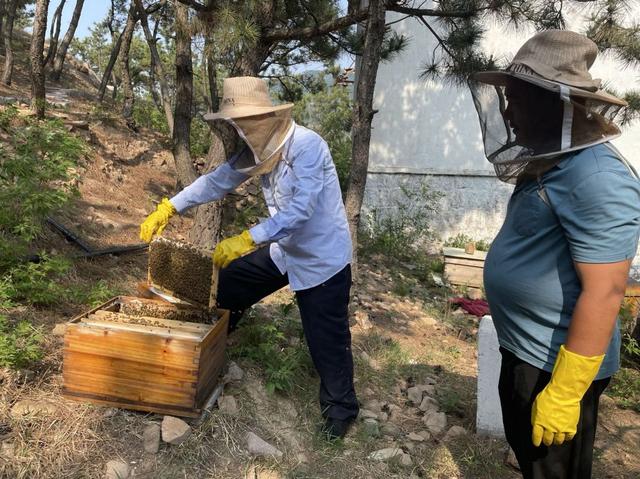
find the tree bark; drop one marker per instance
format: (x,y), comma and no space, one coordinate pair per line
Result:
(183,99)
(58,62)
(54,34)
(127,84)
(115,52)
(207,226)
(3,13)
(38,93)
(362,116)
(10,16)
(164,88)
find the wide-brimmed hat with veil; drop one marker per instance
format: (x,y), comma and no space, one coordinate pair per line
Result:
(557,61)
(263,126)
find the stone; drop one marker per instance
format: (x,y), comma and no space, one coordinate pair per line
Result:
(59,329)
(151,438)
(428,404)
(474,293)
(368,392)
(228,405)
(489,413)
(28,407)
(405,460)
(510,459)
(435,421)
(259,447)
(374,405)
(391,429)
(394,410)
(362,318)
(415,395)
(436,279)
(386,454)
(117,469)
(414,436)
(175,431)
(371,427)
(383,416)
(454,432)
(234,373)
(366,414)
(425,434)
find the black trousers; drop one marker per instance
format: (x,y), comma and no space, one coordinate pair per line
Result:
(519,385)
(325,321)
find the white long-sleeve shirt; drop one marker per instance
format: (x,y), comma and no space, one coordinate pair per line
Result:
(308,228)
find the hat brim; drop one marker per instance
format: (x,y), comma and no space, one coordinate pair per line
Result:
(245,111)
(500,78)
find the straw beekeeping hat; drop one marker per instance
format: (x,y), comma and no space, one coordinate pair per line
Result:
(552,59)
(243,97)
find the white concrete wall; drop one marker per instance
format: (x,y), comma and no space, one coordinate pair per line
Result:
(428,131)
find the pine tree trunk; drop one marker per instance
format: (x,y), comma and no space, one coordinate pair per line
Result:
(115,52)
(164,88)
(3,13)
(55,33)
(58,62)
(10,16)
(362,116)
(207,226)
(38,93)
(183,99)
(127,84)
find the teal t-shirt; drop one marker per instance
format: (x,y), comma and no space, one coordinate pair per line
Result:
(529,275)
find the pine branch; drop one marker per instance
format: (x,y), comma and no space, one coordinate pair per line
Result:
(306,33)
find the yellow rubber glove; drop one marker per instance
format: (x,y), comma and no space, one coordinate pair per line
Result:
(231,248)
(157,221)
(556,410)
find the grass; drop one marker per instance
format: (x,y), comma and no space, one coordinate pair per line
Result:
(625,388)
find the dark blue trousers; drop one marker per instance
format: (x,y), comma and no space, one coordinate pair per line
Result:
(325,321)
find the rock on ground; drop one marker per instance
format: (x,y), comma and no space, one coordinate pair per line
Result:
(428,404)
(259,447)
(117,469)
(174,431)
(435,421)
(453,432)
(28,407)
(228,405)
(367,414)
(234,373)
(414,436)
(386,454)
(151,438)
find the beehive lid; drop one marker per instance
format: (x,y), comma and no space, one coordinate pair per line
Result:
(184,271)
(460,253)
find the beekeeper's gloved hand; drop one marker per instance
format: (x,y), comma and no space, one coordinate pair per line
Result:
(157,221)
(231,248)
(556,410)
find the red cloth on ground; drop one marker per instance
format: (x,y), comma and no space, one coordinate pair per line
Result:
(477,307)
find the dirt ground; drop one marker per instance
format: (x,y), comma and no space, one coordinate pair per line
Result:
(404,332)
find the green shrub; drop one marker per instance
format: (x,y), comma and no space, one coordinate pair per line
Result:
(460,241)
(36,173)
(398,233)
(19,343)
(268,345)
(146,114)
(36,283)
(200,138)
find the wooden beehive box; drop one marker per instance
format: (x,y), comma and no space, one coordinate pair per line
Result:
(150,354)
(141,362)
(462,269)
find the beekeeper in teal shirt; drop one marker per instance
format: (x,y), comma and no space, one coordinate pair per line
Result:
(556,273)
